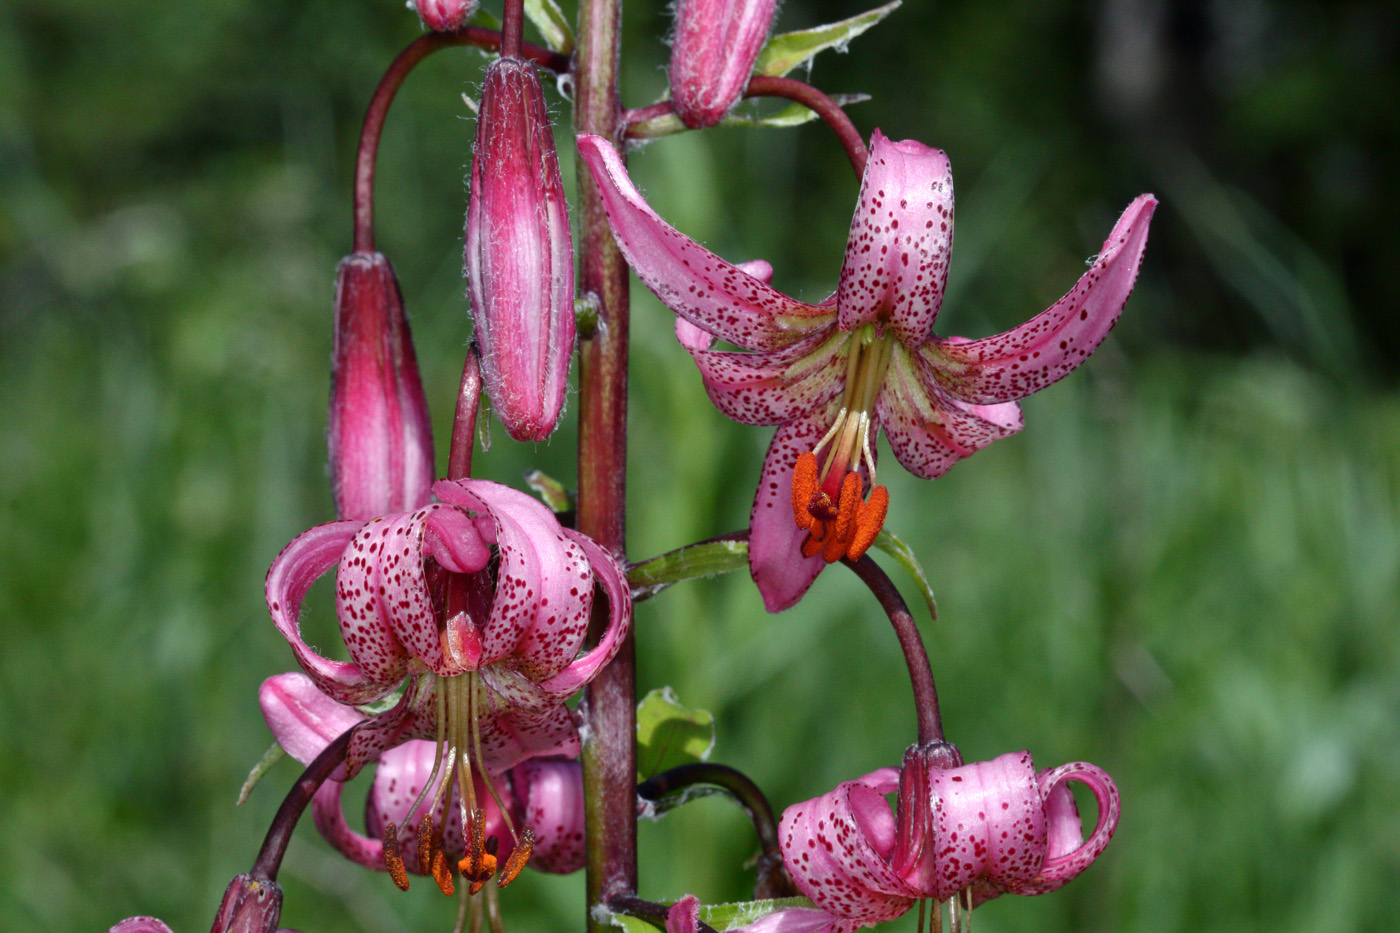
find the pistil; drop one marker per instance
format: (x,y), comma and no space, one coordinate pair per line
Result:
(827,500)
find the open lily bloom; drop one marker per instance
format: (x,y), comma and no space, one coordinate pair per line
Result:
(543,795)
(962,835)
(477,607)
(831,375)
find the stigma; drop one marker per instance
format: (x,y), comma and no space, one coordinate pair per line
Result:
(828,494)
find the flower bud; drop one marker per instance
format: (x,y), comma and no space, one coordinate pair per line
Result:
(381,444)
(713,53)
(519,254)
(249,906)
(444,15)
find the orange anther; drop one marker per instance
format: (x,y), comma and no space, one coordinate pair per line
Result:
(804,484)
(442,872)
(518,857)
(848,506)
(392,860)
(480,862)
(432,860)
(869,522)
(812,543)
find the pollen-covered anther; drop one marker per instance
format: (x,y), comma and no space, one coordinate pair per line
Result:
(432,860)
(869,522)
(392,860)
(480,862)
(804,487)
(518,857)
(847,527)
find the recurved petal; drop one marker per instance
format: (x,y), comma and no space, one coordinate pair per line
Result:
(1052,344)
(776,386)
(544,589)
(301,718)
(987,822)
(1065,859)
(611,577)
(510,736)
(776,563)
(929,430)
(837,848)
(382,600)
(901,235)
(299,565)
(689,279)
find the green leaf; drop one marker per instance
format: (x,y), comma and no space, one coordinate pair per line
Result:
(670,734)
(727,916)
(791,115)
(904,556)
(486,21)
(631,924)
(552,24)
(551,492)
(786,51)
(706,559)
(265,763)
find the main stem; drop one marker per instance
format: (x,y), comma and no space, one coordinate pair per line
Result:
(609,704)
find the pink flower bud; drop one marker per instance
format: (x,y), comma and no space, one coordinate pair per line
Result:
(249,906)
(381,444)
(712,56)
(519,255)
(444,15)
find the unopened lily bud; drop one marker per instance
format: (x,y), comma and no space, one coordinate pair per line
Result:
(713,53)
(519,254)
(381,443)
(249,906)
(444,15)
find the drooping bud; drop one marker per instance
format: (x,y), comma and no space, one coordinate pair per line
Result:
(713,53)
(444,15)
(519,254)
(249,906)
(381,443)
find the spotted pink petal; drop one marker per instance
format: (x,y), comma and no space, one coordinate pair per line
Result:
(689,279)
(901,235)
(988,824)
(549,792)
(309,556)
(544,591)
(414,716)
(1052,344)
(510,736)
(611,577)
(776,563)
(140,925)
(776,386)
(1066,858)
(382,600)
(929,430)
(837,848)
(301,718)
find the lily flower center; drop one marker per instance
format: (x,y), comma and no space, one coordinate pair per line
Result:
(828,493)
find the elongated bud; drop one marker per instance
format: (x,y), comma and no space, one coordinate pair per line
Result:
(444,15)
(249,906)
(381,444)
(519,254)
(712,55)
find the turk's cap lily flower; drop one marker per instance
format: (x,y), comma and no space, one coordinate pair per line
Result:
(830,376)
(381,442)
(249,906)
(976,832)
(444,15)
(712,55)
(544,795)
(519,254)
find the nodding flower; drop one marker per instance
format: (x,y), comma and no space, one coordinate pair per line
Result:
(476,608)
(831,375)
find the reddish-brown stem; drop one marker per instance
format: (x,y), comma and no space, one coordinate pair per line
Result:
(378,109)
(512,25)
(650,112)
(609,703)
(459,455)
(915,655)
(824,107)
(280,832)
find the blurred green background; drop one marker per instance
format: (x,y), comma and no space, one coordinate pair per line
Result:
(1186,569)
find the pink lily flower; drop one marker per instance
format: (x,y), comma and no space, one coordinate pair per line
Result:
(963,835)
(833,374)
(444,15)
(249,906)
(712,55)
(542,795)
(381,442)
(477,606)
(519,254)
